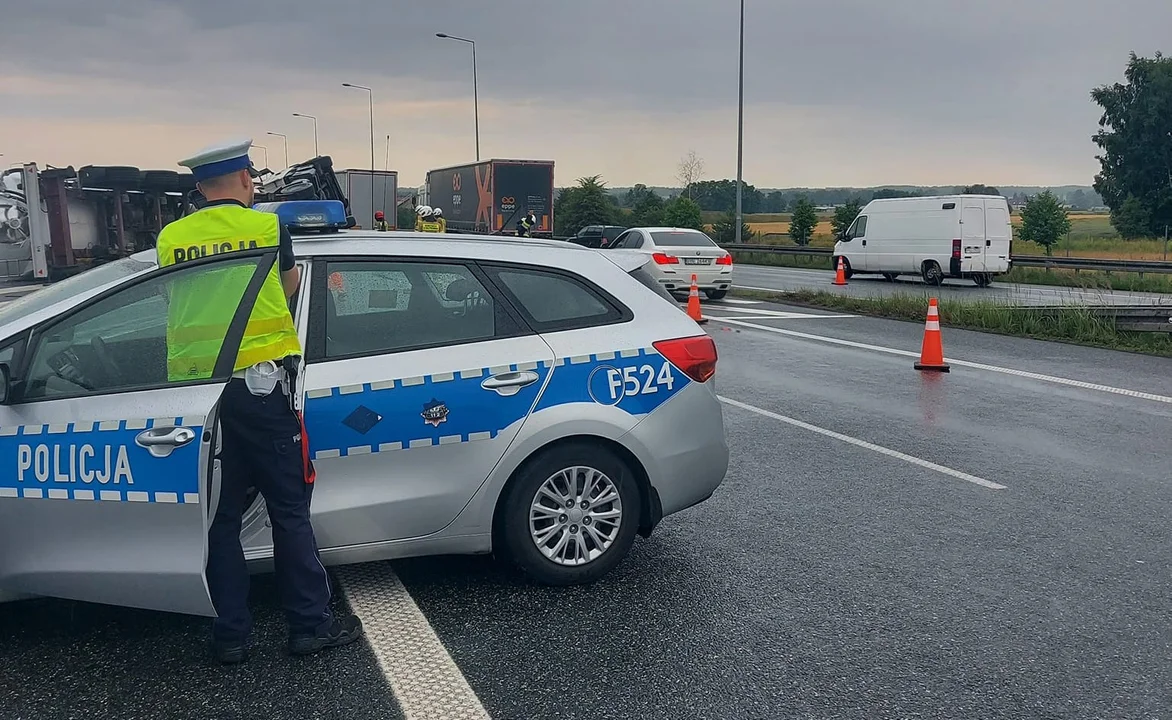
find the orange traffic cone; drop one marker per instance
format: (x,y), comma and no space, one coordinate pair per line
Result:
(932,351)
(694,303)
(840,276)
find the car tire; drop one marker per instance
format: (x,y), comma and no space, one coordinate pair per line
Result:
(932,273)
(522,528)
(715,294)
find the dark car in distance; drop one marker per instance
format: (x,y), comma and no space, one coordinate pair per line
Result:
(597,236)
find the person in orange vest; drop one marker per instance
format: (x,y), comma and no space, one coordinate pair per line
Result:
(263,435)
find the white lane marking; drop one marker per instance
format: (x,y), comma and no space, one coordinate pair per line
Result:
(422,675)
(777,316)
(962,363)
(736,301)
(865,445)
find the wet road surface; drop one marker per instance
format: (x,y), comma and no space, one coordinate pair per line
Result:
(781,278)
(846,567)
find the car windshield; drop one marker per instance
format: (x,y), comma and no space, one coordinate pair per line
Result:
(83,282)
(611,233)
(681,238)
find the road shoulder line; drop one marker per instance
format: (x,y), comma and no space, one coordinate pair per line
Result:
(864,444)
(422,674)
(953,361)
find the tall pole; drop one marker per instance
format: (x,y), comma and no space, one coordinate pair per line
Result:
(285,140)
(370,94)
(314,119)
(266,151)
(740,124)
(475,86)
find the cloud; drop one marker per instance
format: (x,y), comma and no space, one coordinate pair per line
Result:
(837,92)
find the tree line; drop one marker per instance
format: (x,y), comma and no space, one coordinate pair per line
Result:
(1134,183)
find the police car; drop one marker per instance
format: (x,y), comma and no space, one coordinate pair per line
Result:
(461,395)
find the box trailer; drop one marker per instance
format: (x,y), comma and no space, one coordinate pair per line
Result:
(492,195)
(359,185)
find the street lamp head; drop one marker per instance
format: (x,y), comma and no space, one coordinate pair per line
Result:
(441,35)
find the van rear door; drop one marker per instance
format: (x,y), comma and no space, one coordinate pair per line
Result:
(998,233)
(972,244)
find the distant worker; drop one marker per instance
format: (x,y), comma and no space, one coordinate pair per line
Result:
(526,225)
(421,213)
(380,222)
(437,216)
(427,223)
(263,435)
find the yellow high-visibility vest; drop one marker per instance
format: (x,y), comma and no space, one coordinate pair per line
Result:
(201,308)
(429,227)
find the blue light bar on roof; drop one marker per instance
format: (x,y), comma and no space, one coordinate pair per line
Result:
(306,216)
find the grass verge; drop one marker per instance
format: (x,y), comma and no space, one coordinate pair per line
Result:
(1076,325)
(1084,279)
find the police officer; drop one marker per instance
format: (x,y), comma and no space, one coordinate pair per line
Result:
(262,434)
(380,222)
(526,224)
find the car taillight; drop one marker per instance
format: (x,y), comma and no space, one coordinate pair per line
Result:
(956,249)
(724,260)
(665,259)
(694,356)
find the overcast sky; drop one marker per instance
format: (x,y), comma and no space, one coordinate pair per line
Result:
(837,92)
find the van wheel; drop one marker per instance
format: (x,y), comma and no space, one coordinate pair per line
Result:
(846,267)
(570,515)
(983,280)
(933,275)
(890,277)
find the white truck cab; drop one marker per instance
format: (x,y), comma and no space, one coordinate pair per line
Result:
(949,236)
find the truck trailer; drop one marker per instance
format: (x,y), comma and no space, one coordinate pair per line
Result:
(356,186)
(492,195)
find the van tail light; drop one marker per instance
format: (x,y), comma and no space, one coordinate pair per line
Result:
(724,260)
(956,249)
(693,356)
(665,259)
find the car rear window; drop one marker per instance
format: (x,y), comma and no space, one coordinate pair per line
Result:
(683,238)
(613,232)
(649,281)
(553,301)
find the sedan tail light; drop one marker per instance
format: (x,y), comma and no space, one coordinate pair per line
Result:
(724,260)
(665,259)
(693,356)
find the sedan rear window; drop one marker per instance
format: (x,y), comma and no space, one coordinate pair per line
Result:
(683,238)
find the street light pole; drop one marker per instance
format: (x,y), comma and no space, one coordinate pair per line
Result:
(475,86)
(266,151)
(285,140)
(314,119)
(740,125)
(370,94)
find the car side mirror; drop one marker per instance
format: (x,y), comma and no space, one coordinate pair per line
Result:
(5,383)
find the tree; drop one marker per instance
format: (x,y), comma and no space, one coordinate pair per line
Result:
(803,222)
(1131,220)
(1044,220)
(724,230)
(588,203)
(979,190)
(690,170)
(889,193)
(682,212)
(721,196)
(844,215)
(646,206)
(1136,139)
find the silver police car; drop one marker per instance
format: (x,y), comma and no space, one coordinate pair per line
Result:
(536,400)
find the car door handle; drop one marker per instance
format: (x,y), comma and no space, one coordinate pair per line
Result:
(510,383)
(161,441)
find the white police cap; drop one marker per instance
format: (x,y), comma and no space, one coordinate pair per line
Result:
(221,159)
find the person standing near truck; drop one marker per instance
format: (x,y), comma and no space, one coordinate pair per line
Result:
(262,433)
(421,214)
(380,222)
(526,224)
(437,216)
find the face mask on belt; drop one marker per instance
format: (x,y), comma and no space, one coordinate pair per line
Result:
(262,378)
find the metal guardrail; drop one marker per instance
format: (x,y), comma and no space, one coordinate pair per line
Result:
(1041,261)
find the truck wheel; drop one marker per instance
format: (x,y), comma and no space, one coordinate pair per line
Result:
(570,515)
(123,177)
(933,275)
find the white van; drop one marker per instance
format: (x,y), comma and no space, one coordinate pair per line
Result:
(959,236)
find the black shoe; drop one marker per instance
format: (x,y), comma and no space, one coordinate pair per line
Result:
(342,631)
(230,652)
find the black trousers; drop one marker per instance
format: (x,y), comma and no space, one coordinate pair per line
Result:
(262,448)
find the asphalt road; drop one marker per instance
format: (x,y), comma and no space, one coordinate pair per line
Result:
(888,544)
(764,277)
